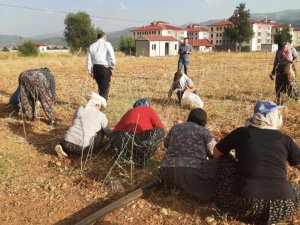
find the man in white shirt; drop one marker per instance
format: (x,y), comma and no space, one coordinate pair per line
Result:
(100,63)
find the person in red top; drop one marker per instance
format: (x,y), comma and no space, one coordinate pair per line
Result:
(139,133)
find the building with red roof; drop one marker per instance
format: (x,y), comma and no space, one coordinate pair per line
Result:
(156,45)
(202,45)
(160,28)
(263,32)
(195,31)
(41,47)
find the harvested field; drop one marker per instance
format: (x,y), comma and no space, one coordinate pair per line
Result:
(38,188)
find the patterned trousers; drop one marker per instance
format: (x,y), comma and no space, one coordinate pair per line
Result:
(34,86)
(250,210)
(138,147)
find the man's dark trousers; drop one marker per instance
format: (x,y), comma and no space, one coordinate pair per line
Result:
(102,76)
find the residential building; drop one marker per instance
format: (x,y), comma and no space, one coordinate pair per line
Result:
(195,31)
(202,45)
(41,47)
(217,35)
(156,45)
(296,37)
(262,39)
(160,28)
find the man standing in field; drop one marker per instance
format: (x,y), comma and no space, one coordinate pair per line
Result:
(184,52)
(101,63)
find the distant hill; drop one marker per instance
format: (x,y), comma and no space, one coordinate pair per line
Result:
(291,16)
(11,40)
(114,37)
(286,15)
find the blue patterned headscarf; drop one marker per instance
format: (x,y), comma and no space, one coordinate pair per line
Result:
(140,102)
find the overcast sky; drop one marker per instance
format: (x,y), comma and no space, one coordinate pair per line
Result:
(25,22)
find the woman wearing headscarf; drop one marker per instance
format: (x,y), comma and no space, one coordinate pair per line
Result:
(285,70)
(188,162)
(87,130)
(182,83)
(139,133)
(36,85)
(253,185)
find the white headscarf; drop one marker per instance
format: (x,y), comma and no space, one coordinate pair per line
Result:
(95,99)
(272,120)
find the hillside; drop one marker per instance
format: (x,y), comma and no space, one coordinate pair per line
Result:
(114,37)
(10,40)
(286,15)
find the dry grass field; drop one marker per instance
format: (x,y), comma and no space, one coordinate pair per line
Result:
(38,188)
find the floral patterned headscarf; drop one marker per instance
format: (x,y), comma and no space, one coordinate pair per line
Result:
(140,102)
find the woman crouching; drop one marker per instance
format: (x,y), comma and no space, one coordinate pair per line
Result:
(188,161)
(87,130)
(253,185)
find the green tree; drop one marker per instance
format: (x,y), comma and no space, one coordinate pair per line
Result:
(28,48)
(283,35)
(241,29)
(79,31)
(127,44)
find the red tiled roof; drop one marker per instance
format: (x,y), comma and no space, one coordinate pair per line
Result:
(195,28)
(157,25)
(200,42)
(297,29)
(227,22)
(220,23)
(159,38)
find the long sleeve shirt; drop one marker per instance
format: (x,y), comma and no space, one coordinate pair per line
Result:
(102,53)
(86,123)
(139,119)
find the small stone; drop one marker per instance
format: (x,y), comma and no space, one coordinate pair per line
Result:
(156,216)
(209,219)
(64,186)
(164,211)
(58,163)
(133,206)
(33,190)
(52,188)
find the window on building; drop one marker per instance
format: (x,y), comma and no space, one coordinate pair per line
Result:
(220,41)
(159,32)
(211,35)
(154,47)
(175,47)
(259,34)
(217,28)
(212,29)
(258,40)
(268,34)
(220,35)
(217,35)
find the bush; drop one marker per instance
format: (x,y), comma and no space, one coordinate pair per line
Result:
(245,49)
(28,49)
(297,48)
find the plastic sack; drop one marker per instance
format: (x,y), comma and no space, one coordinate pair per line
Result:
(191,100)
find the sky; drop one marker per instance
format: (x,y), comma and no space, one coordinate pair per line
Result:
(124,13)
